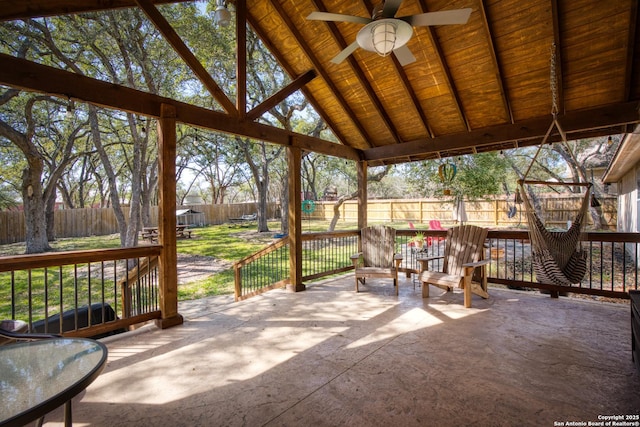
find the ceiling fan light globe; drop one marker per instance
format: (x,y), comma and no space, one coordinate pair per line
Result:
(383,35)
(375,36)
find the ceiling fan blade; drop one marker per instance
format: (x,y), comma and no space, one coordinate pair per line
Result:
(404,55)
(345,52)
(390,8)
(445,17)
(337,17)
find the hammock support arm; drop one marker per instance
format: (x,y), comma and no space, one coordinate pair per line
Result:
(534,182)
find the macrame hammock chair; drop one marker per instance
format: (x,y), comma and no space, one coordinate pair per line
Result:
(557,257)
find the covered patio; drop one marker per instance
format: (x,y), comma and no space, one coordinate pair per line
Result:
(328,356)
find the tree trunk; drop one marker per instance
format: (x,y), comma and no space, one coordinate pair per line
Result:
(111,176)
(336,209)
(263,185)
(34,209)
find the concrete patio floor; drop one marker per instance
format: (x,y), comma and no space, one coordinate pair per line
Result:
(331,357)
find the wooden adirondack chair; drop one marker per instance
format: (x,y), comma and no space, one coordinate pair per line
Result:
(378,257)
(464,253)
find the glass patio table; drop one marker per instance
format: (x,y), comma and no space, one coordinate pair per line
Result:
(37,377)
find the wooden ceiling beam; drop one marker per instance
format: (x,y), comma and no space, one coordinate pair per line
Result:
(533,129)
(322,72)
(291,72)
(30,76)
(496,64)
(412,96)
(281,95)
(445,69)
(22,9)
(362,79)
(187,56)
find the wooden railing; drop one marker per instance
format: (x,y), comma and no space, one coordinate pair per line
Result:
(323,254)
(81,293)
(612,270)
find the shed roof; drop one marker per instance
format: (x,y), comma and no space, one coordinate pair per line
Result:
(481,86)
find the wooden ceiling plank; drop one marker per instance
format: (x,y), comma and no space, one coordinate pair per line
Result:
(496,62)
(631,46)
(281,95)
(323,73)
(601,117)
(185,53)
(26,75)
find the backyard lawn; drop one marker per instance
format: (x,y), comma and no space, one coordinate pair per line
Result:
(213,249)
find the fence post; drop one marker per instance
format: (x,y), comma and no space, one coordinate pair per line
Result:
(495,211)
(237,274)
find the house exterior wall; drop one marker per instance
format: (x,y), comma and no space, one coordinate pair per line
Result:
(628,201)
(628,207)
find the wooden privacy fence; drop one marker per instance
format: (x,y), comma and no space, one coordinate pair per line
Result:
(99,222)
(488,213)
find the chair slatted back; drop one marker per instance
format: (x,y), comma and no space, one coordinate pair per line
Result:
(464,244)
(378,246)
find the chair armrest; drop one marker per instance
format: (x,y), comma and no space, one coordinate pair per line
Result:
(424,262)
(397,257)
(477,264)
(356,256)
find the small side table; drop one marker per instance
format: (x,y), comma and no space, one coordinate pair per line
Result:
(37,377)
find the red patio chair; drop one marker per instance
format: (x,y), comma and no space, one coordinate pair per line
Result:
(434,224)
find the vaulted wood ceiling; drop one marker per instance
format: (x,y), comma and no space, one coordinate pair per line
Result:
(481,86)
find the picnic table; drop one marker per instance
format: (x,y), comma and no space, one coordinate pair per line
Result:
(151,233)
(244,219)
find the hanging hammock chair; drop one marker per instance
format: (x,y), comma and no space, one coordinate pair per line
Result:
(557,256)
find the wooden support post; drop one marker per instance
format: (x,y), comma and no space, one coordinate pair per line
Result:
(294,159)
(362,194)
(168,260)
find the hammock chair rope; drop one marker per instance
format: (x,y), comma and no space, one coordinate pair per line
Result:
(557,257)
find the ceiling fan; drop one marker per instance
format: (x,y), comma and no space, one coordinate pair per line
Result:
(383,33)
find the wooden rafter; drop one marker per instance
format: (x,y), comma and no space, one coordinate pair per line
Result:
(362,79)
(445,69)
(11,9)
(290,71)
(187,56)
(41,78)
(281,95)
(325,76)
(415,102)
(496,64)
